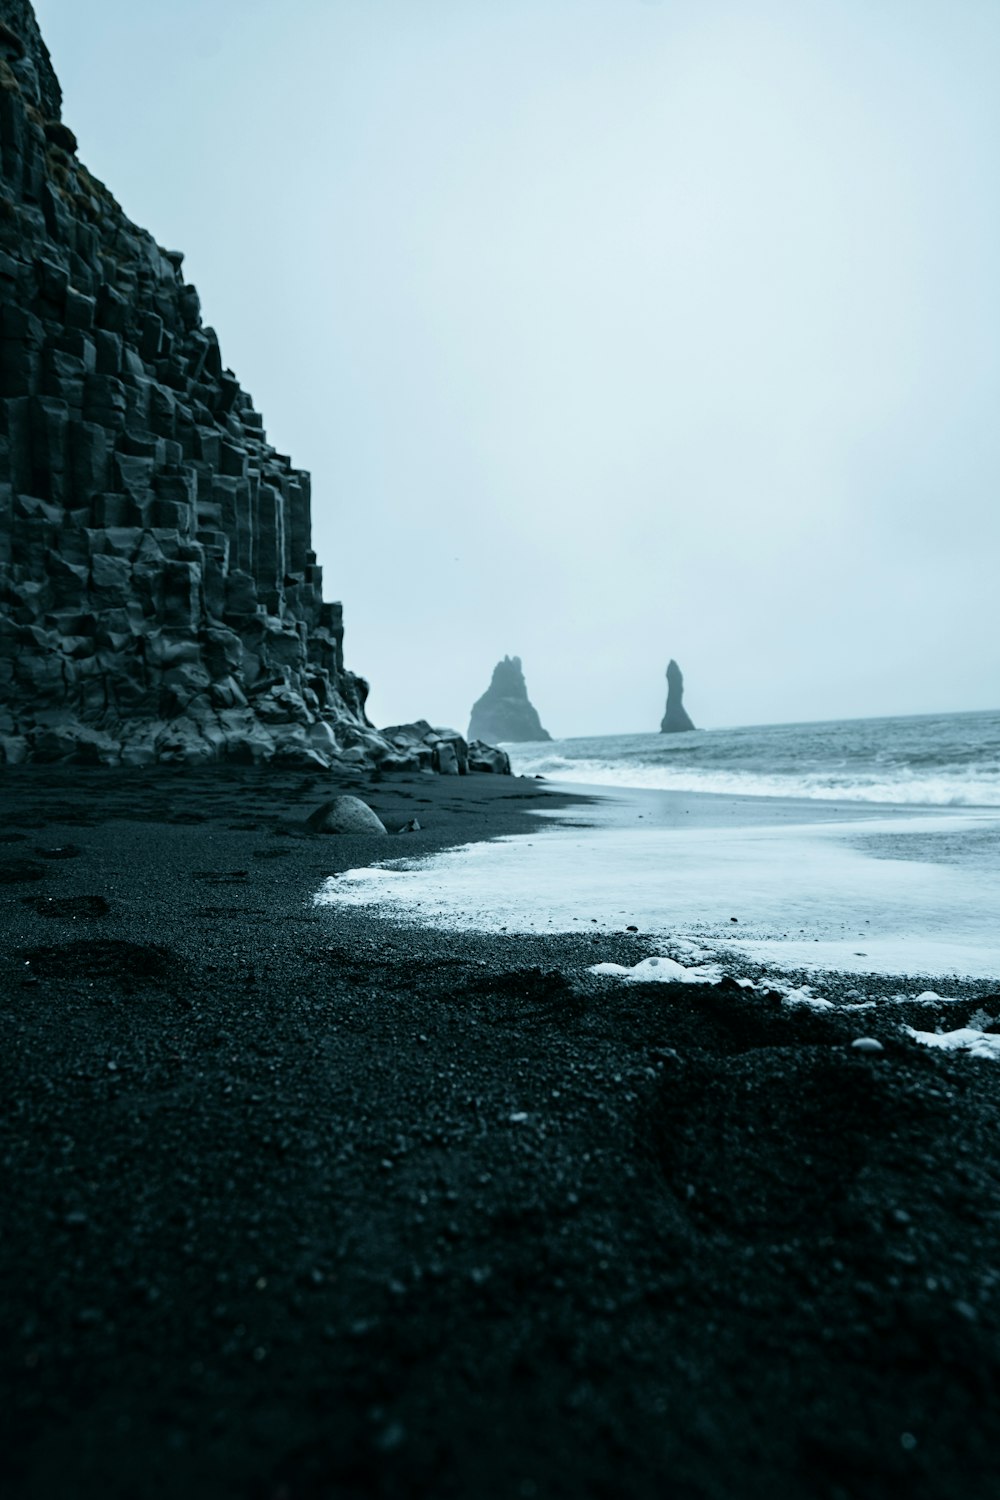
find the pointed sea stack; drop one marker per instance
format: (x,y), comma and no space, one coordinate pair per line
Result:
(159,596)
(504,712)
(675,720)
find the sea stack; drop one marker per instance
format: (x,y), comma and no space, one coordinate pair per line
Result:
(675,719)
(159,596)
(505,712)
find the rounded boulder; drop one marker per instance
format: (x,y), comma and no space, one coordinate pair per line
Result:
(345,815)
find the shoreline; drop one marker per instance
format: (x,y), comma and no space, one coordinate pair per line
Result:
(865,893)
(302,1203)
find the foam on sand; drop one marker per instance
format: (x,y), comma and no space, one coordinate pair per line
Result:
(967,1039)
(661,970)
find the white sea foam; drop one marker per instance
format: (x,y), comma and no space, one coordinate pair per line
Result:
(809,897)
(959,788)
(659,969)
(662,970)
(802,994)
(967,1039)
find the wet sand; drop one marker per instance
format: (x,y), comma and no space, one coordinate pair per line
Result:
(761,884)
(300,1203)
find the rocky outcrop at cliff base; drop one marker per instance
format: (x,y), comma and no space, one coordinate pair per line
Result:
(445,751)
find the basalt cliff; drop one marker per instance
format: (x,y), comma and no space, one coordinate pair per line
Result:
(505,712)
(675,719)
(159,597)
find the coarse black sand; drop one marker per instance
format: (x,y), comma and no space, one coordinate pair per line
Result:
(297,1203)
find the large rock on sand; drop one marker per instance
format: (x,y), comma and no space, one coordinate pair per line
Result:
(488,758)
(505,712)
(675,720)
(346,815)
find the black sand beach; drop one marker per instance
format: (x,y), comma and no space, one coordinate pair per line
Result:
(299,1204)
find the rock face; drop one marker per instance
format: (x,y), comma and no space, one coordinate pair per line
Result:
(159,598)
(504,712)
(675,720)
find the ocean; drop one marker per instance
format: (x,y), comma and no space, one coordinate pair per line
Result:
(934,760)
(860,847)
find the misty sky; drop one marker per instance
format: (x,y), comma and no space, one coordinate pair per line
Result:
(611,330)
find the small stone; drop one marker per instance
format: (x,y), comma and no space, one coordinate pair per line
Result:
(966,1310)
(867,1044)
(413,826)
(391,1437)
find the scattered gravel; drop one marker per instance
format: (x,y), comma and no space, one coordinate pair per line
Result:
(301,1204)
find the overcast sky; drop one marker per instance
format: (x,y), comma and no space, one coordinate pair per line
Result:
(611,330)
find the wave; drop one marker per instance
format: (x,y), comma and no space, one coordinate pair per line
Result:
(957,788)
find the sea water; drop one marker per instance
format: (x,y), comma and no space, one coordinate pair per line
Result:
(861,847)
(932,760)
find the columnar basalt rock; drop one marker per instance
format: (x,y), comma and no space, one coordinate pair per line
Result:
(504,712)
(675,719)
(159,598)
